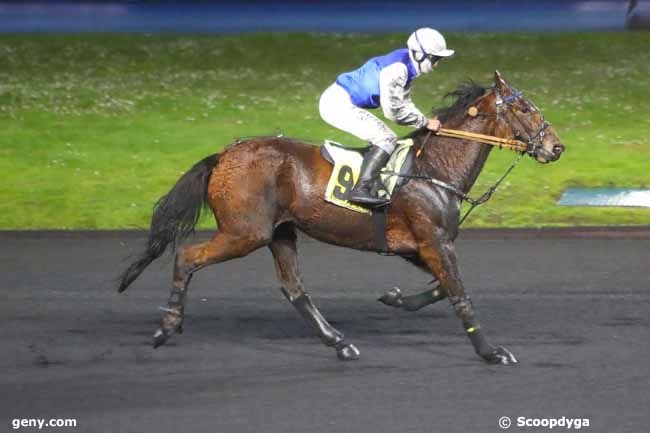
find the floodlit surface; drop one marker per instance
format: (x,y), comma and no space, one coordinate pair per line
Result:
(573,311)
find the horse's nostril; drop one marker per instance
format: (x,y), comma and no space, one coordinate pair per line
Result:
(558,148)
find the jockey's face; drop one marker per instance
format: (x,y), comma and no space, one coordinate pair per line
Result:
(433,59)
(425,62)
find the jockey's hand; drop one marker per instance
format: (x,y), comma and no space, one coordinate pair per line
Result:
(433,125)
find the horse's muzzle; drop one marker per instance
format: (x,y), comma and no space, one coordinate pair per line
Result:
(557,151)
(545,156)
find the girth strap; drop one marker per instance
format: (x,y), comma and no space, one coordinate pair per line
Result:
(379,226)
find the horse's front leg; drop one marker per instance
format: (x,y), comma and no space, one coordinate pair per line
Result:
(440,255)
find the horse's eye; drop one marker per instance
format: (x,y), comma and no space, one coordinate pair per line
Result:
(524,109)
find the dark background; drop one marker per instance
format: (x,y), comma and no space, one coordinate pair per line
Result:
(314,16)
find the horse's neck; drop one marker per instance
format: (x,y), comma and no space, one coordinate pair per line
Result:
(453,160)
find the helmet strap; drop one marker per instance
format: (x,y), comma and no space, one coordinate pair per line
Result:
(422,50)
(420,43)
(419,61)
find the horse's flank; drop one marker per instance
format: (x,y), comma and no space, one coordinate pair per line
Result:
(289,186)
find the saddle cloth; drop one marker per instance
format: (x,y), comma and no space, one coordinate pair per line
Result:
(347,165)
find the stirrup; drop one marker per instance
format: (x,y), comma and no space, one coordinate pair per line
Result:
(370,201)
(366,197)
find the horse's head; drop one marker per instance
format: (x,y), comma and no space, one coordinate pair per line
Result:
(519,118)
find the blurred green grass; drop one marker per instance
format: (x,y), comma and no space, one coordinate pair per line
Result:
(96,127)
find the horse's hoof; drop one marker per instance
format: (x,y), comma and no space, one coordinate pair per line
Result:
(392,298)
(501,356)
(160,337)
(347,352)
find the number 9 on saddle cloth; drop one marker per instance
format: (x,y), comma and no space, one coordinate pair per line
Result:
(347,165)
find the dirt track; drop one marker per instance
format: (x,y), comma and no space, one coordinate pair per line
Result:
(574,310)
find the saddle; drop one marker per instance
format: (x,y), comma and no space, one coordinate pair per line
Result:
(347,165)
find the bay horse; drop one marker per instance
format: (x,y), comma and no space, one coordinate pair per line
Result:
(261,190)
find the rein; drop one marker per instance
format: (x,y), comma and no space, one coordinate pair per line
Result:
(530,148)
(474,202)
(501,143)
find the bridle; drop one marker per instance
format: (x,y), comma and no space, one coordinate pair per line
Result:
(533,146)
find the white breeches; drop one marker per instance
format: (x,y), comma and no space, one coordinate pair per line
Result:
(336,108)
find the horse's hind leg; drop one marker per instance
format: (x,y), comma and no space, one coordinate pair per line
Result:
(395,298)
(283,247)
(191,258)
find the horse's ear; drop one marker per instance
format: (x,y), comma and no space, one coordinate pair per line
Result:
(499,81)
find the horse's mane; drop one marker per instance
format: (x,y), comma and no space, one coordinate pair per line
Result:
(466,93)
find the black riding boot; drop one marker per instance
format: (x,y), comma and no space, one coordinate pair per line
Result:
(365,191)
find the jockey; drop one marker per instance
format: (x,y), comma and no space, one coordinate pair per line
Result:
(382,81)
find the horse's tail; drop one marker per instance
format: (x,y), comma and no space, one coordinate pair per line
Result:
(174,217)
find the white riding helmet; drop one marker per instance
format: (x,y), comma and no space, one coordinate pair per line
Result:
(425,43)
